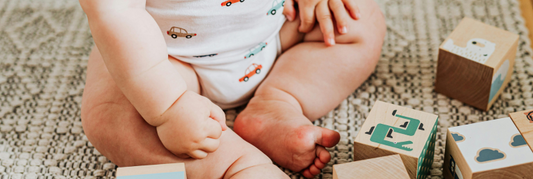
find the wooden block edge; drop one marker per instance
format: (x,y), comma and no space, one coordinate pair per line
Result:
(515,117)
(385,152)
(403,175)
(466,171)
(504,173)
(150,169)
(509,75)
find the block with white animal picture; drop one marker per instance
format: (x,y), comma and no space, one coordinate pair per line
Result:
(490,149)
(475,63)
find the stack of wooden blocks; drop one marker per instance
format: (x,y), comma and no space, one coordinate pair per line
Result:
(491,149)
(474,66)
(394,142)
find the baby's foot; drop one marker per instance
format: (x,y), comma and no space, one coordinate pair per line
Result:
(286,136)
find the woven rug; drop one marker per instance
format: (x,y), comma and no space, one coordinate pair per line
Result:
(45,44)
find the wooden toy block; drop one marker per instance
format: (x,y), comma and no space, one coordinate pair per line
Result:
(475,63)
(162,171)
(524,122)
(391,129)
(388,167)
(491,149)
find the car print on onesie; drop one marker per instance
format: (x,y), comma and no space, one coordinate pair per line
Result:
(276,5)
(251,71)
(256,50)
(229,2)
(176,32)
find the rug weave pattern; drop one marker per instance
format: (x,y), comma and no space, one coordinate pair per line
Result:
(45,44)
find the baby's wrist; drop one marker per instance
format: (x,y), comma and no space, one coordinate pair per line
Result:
(169,113)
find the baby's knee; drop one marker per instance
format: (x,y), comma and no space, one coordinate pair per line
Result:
(369,29)
(97,120)
(91,122)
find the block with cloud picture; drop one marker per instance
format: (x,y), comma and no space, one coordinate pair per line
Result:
(524,122)
(490,149)
(475,63)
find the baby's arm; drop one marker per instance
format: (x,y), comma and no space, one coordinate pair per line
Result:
(135,54)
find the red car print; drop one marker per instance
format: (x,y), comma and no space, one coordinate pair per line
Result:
(229,2)
(251,71)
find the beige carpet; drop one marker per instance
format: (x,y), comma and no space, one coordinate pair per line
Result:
(44,46)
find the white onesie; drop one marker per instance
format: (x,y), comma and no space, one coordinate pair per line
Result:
(231,44)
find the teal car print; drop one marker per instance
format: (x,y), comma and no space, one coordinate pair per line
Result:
(276,5)
(256,50)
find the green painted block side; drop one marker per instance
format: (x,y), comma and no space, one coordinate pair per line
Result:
(426,157)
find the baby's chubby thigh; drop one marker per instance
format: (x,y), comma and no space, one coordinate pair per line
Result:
(235,158)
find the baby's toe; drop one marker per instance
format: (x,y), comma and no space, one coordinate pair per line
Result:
(311,172)
(307,174)
(319,164)
(314,170)
(322,158)
(322,154)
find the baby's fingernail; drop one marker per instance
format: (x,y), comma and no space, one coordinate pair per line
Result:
(288,17)
(358,15)
(344,30)
(331,41)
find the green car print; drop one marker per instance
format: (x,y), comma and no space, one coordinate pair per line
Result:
(276,5)
(256,50)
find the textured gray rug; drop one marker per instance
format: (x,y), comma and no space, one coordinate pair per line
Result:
(44,47)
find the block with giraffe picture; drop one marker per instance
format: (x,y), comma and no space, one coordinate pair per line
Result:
(391,129)
(490,149)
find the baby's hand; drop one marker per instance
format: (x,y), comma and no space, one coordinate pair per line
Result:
(312,10)
(193,128)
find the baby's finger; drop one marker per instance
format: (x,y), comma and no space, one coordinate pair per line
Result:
(341,15)
(325,22)
(209,145)
(288,10)
(307,16)
(212,129)
(218,115)
(197,154)
(352,8)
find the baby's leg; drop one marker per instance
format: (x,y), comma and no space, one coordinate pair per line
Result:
(117,130)
(307,81)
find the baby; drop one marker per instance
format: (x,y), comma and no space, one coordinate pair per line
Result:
(163,70)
